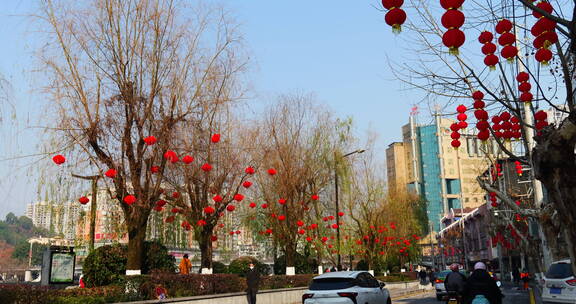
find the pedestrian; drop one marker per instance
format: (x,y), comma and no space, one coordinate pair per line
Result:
(481,287)
(432,277)
(455,281)
(253,282)
(422,275)
(160,292)
(185,265)
(516,275)
(525,276)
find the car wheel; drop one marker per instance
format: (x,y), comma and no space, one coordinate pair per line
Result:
(438,298)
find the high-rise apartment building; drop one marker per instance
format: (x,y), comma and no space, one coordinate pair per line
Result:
(427,164)
(59,218)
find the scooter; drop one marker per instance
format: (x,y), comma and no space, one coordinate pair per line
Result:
(453,298)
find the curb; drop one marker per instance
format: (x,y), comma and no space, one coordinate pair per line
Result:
(410,293)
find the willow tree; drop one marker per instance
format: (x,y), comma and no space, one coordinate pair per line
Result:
(295,149)
(532,70)
(122,75)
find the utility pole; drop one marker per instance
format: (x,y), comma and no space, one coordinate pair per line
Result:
(339,263)
(93,205)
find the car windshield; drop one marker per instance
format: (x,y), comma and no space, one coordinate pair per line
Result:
(559,271)
(332,283)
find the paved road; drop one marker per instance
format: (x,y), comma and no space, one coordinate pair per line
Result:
(512,296)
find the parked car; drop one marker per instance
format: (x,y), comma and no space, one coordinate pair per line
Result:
(559,283)
(441,292)
(346,287)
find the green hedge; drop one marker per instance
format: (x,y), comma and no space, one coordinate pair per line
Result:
(177,285)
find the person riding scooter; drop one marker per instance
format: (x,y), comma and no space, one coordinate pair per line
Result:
(455,283)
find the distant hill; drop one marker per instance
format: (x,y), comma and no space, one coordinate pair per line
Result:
(14,233)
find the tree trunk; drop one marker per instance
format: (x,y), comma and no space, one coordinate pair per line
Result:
(290,255)
(205,244)
(136,238)
(555,165)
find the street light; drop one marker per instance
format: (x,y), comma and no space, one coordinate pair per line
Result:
(339,264)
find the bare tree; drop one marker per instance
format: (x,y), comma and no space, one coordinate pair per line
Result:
(122,75)
(297,143)
(549,149)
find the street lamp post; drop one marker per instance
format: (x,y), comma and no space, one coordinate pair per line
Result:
(339,264)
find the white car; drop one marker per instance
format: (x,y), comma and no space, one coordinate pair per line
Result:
(346,287)
(559,283)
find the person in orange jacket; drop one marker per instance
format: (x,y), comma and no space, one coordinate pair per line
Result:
(185,265)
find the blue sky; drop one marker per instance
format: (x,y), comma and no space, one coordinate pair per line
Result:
(335,49)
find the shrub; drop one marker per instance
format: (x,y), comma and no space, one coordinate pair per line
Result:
(362,265)
(179,285)
(283,281)
(219,267)
(303,264)
(240,266)
(105,265)
(157,258)
(23,294)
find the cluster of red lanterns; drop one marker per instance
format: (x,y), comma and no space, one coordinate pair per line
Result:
(541,118)
(488,49)
(524,87)
(481,116)
(506,126)
(507,39)
(395,16)
(493,199)
(452,20)
(545,32)
(518,167)
(455,127)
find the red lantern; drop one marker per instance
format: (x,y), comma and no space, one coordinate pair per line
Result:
(543,56)
(83,200)
(300,223)
(209,210)
(526,97)
(175,210)
(215,138)
(390,4)
(247,184)
(545,6)
(314,197)
(59,159)
(238,197)
(249,170)
(340,213)
(454,127)
(491,61)
(483,135)
(161,203)
(335,226)
(230,208)
(272,172)
(453,39)
(213,238)
(481,114)
(187,159)
(395,18)
(170,219)
(301,231)
(206,167)
(129,199)
(489,48)
(503,26)
(482,125)
(485,37)
(453,18)
(478,95)
(462,116)
(540,115)
(455,135)
(252,205)
(281,217)
(154,169)
(455,144)
(282,201)
(111,173)
(171,156)
(524,87)
(451,4)
(175,194)
(217,198)
(522,76)
(264,206)
(461,109)
(507,39)
(509,52)
(479,104)
(150,140)
(158,208)
(462,125)
(309,238)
